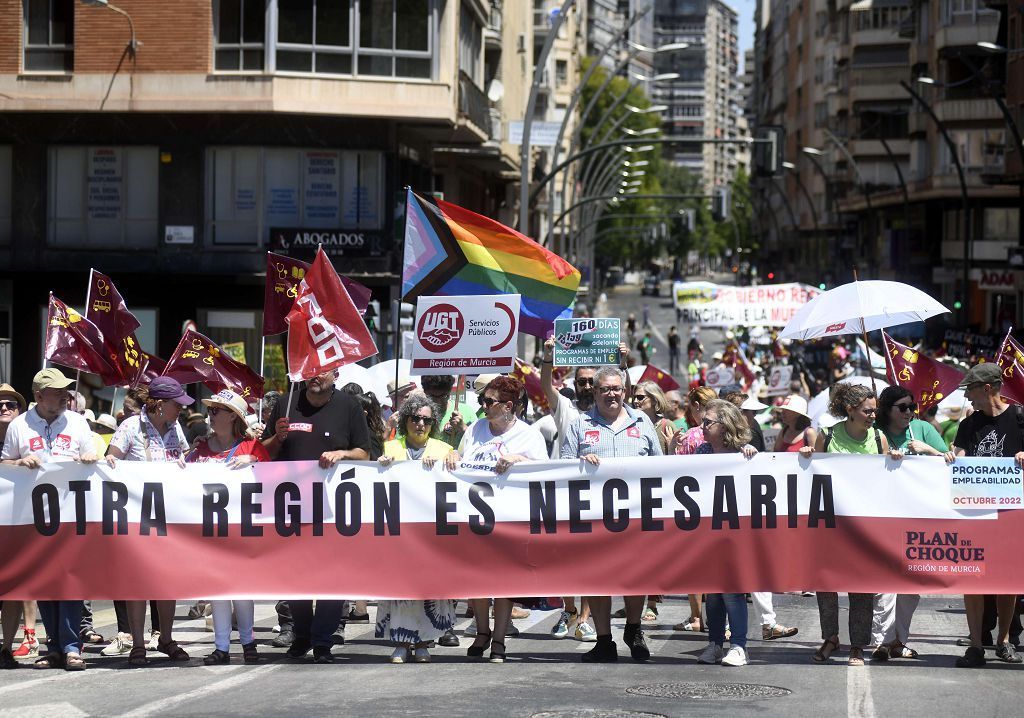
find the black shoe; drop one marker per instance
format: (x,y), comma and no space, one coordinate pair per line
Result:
(1006,654)
(339,637)
(7,659)
(300,647)
(283,639)
(637,645)
(973,657)
(322,654)
(602,652)
(449,639)
(511,630)
(354,617)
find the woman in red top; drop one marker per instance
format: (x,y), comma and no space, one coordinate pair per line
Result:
(230,443)
(796,430)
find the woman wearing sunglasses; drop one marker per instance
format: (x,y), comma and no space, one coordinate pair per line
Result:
(890,626)
(856,435)
(231,444)
(650,399)
(412,625)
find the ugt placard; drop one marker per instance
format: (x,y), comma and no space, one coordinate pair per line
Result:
(586,342)
(465,335)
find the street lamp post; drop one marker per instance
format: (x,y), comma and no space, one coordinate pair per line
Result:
(133,44)
(818,239)
(965,210)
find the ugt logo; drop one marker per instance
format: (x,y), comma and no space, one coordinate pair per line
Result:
(440,328)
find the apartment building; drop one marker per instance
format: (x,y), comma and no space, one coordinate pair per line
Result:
(873,183)
(172,145)
(704,100)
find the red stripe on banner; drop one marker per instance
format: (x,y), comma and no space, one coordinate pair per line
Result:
(859,554)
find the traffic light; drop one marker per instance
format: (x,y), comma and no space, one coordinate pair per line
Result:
(957,304)
(720,201)
(821,286)
(771,275)
(767,155)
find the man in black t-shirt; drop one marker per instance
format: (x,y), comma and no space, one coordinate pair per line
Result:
(327,426)
(993,430)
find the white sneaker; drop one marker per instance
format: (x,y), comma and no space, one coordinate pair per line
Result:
(711,655)
(121,644)
(470,629)
(561,629)
(154,640)
(400,655)
(735,657)
(586,633)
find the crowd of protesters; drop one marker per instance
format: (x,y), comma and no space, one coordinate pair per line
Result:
(597,414)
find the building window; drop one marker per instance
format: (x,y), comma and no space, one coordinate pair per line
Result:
(251,190)
(103,197)
(470,45)
(49,35)
(239,34)
(6,193)
(561,72)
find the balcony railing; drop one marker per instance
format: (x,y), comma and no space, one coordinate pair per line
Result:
(473,103)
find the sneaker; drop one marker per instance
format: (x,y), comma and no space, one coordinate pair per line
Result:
(519,613)
(585,633)
(973,657)
(154,640)
(448,640)
(7,659)
(603,652)
(283,639)
(121,644)
(1007,654)
(321,654)
(770,633)
(634,638)
(736,656)
(400,655)
(29,644)
(354,617)
(421,655)
(300,647)
(711,655)
(561,629)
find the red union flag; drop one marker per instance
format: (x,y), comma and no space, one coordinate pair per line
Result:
(928,380)
(1011,361)
(108,311)
(73,341)
(197,359)
(662,378)
(282,286)
(325,330)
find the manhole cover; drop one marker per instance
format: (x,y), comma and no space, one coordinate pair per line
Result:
(708,691)
(594,713)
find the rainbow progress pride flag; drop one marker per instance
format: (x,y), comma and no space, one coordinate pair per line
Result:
(450,251)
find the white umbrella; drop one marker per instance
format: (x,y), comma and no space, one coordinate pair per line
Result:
(384,372)
(364,378)
(860,307)
(817,408)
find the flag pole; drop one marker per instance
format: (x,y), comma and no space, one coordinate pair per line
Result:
(49,306)
(892,369)
(263,351)
(78,372)
(396,310)
(867,347)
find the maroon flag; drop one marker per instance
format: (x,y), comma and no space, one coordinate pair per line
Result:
(73,341)
(108,311)
(662,378)
(197,359)
(283,277)
(1011,361)
(325,330)
(928,380)
(153,367)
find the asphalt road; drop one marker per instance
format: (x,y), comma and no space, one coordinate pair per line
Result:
(542,676)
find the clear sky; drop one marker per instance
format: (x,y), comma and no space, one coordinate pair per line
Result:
(745,8)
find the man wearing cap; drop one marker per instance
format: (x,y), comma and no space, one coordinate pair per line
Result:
(12,404)
(328,426)
(993,430)
(50,433)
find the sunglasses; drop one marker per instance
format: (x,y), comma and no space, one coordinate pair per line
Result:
(213,410)
(8,405)
(584,382)
(906,407)
(708,423)
(487,401)
(639,398)
(427,420)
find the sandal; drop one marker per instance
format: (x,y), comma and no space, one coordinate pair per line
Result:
(250,654)
(880,654)
(691,624)
(856,656)
(898,650)
(826,650)
(650,614)
(496,655)
(621,613)
(218,657)
(173,651)
(74,662)
(476,651)
(91,637)
(50,660)
(137,657)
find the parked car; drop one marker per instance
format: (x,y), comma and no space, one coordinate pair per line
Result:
(652,286)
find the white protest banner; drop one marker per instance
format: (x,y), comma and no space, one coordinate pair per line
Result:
(719,305)
(720,376)
(986,483)
(465,335)
(778,379)
(859,523)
